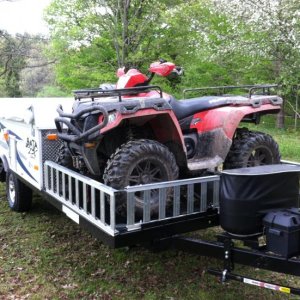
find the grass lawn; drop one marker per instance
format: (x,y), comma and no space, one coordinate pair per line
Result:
(288,139)
(44,255)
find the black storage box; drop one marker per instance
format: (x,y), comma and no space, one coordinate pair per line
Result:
(247,194)
(282,230)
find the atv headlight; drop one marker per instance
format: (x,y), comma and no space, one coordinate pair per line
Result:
(112,117)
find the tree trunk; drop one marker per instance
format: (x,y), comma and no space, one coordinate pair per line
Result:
(280,118)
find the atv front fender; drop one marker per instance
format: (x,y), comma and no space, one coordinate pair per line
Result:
(164,126)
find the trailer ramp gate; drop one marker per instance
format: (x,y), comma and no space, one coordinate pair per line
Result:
(183,205)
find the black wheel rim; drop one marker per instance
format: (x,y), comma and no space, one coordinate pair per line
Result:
(144,172)
(11,190)
(259,157)
(147,171)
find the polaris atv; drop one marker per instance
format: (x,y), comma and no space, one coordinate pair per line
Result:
(134,133)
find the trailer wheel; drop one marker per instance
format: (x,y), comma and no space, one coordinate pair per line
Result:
(2,172)
(19,195)
(250,149)
(140,162)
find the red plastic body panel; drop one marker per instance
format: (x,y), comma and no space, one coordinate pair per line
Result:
(228,117)
(151,94)
(163,123)
(132,78)
(162,69)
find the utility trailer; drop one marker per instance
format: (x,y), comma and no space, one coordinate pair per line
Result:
(28,151)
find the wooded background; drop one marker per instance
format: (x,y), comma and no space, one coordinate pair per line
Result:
(218,42)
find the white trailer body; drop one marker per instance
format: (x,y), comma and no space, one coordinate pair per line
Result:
(27,159)
(24,125)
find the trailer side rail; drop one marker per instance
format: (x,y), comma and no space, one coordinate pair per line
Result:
(78,195)
(97,203)
(175,198)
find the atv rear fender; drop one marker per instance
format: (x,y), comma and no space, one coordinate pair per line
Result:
(228,118)
(215,130)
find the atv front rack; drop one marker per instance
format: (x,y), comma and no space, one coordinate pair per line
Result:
(78,134)
(95,93)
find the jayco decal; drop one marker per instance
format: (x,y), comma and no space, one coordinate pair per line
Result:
(31,145)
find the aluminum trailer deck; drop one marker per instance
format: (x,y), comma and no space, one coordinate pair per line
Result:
(91,204)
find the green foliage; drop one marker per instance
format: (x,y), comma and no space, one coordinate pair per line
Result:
(52,91)
(92,38)
(11,63)
(23,67)
(217,42)
(2,88)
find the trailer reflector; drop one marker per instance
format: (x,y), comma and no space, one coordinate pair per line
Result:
(6,136)
(52,137)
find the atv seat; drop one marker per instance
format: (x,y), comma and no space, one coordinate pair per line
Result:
(188,107)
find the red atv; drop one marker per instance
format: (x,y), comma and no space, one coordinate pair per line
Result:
(133,133)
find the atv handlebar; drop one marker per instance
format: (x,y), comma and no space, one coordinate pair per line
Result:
(76,134)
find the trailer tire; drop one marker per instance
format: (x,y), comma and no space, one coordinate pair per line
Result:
(140,162)
(2,171)
(19,195)
(250,149)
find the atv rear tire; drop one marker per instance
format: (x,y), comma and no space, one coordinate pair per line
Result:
(251,149)
(140,162)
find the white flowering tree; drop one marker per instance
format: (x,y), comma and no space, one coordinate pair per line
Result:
(265,30)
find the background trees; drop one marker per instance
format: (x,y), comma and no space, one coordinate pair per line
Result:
(24,68)
(230,41)
(218,42)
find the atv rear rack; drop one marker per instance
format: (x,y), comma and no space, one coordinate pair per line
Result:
(95,93)
(221,90)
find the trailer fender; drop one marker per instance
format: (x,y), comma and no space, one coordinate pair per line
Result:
(3,168)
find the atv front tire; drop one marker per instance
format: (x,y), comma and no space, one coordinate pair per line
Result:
(140,162)
(250,149)
(64,157)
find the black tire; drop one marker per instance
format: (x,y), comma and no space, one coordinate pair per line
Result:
(19,195)
(250,149)
(2,171)
(140,162)
(64,157)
